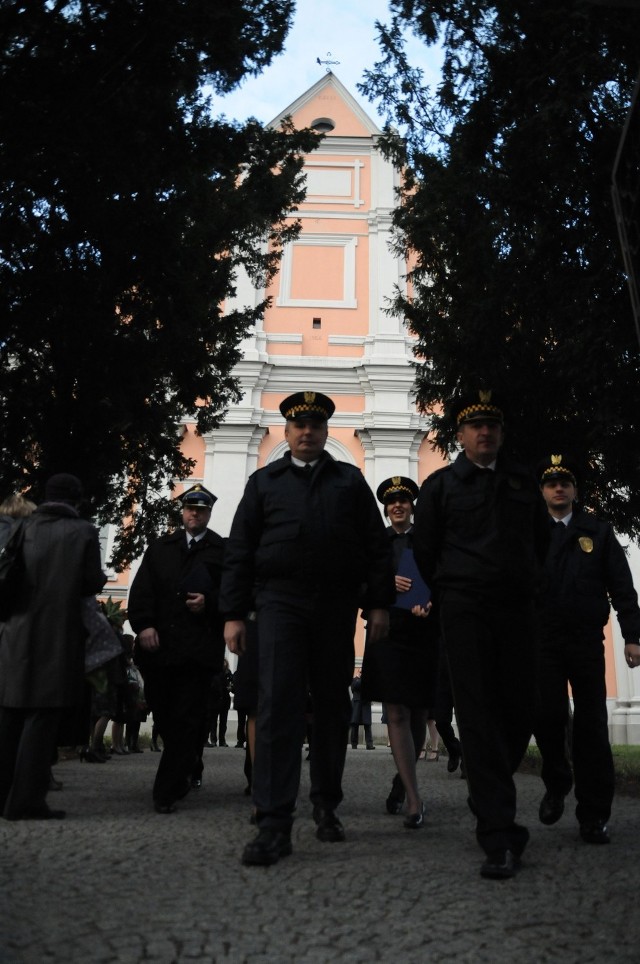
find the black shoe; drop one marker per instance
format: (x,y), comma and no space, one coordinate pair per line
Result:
(595,832)
(499,865)
(330,830)
(396,797)
(222,743)
(239,745)
(551,808)
(519,838)
(414,821)
(454,761)
(267,848)
(371,746)
(164,807)
(92,756)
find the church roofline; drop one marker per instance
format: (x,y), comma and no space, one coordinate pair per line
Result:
(329,78)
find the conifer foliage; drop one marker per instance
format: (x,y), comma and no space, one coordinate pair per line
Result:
(128,202)
(518,279)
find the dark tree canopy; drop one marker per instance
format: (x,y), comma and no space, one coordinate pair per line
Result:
(127,203)
(518,281)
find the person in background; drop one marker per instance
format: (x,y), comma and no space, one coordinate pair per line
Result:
(360,714)
(12,508)
(585,568)
(173,609)
(136,703)
(42,645)
(220,704)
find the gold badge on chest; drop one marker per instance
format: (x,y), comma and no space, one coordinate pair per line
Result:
(585,543)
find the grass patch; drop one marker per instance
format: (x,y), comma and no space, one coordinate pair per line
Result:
(626,762)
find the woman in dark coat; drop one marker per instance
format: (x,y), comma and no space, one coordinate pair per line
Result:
(42,646)
(401,671)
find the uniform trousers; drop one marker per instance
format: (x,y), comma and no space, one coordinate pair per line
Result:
(491,653)
(443,709)
(177,696)
(28,739)
(305,646)
(577,658)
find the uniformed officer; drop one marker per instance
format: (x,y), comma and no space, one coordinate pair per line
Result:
(586,567)
(173,608)
(306,537)
(479,539)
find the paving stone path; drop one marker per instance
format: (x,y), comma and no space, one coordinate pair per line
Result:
(116,883)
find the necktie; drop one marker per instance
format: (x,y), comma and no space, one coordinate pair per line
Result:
(558,534)
(192,544)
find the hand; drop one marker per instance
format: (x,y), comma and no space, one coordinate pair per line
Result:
(195,602)
(632,655)
(422,611)
(149,640)
(235,636)
(377,624)
(403,584)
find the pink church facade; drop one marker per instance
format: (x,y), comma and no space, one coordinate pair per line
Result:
(328,329)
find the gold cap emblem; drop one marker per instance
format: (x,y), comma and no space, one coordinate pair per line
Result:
(556,459)
(485,396)
(396,480)
(309,397)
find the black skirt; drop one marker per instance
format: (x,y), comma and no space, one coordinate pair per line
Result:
(403,668)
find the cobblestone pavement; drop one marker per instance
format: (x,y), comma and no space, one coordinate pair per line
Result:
(115,882)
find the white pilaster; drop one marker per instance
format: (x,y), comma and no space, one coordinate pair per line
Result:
(624,718)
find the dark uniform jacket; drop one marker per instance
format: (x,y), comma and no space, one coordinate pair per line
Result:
(43,641)
(584,570)
(169,570)
(481,531)
(297,534)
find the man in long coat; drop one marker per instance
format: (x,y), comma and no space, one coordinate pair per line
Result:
(180,645)
(42,645)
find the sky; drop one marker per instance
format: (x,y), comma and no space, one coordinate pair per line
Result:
(336,30)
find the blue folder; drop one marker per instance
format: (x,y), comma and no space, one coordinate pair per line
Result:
(419,594)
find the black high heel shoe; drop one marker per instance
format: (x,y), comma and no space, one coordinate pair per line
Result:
(90,756)
(414,821)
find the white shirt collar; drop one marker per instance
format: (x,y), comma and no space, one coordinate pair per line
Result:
(565,519)
(197,538)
